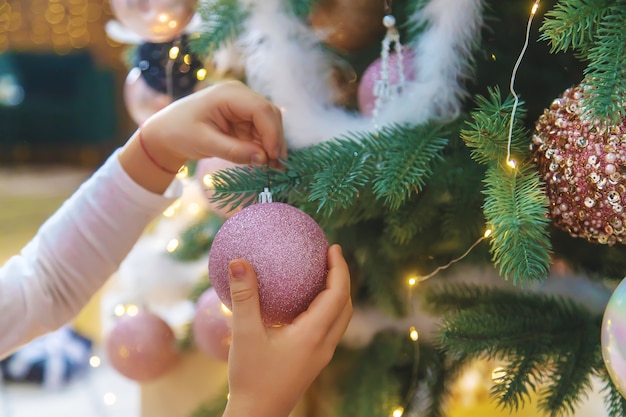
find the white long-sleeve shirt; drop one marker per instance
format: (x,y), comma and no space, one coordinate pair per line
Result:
(74,252)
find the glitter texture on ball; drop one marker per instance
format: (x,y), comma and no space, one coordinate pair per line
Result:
(286,248)
(580,160)
(614,337)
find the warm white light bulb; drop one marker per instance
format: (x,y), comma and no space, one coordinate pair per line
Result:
(171,210)
(194,208)
(498,374)
(174,51)
(207,180)
(413,334)
(201,74)
(132,310)
(183,172)
(109,398)
(225,310)
(95,361)
(172,245)
(119,310)
(535,7)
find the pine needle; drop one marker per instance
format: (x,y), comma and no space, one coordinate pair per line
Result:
(222,21)
(515,208)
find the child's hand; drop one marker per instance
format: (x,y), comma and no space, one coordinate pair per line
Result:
(271,367)
(227,120)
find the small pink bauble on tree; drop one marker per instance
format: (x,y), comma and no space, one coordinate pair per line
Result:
(155,21)
(142,347)
(366,93)
(204,171)
(211,326)
(286,248)
(581,160)
(141,100)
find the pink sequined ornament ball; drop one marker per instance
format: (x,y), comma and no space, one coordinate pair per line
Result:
(286,248)
(581,161)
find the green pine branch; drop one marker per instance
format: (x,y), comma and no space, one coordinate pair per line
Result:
(594,29)
(571,380)
(532,332)
(196,240)
(336,175)
(438,371)
(572,24)
(370,386)
(410,220)
(234,187)
(515,204)
(613,399)
(518,380)
(347,170)
(222,21)
(407,163)
(606,72)
(486,134)
(515,208)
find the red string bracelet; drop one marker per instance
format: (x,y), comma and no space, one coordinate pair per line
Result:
(151,158)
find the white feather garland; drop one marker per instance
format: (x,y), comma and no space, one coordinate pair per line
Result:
(443,59)
(285,61)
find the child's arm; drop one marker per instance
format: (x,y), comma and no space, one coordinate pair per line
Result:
(84,242)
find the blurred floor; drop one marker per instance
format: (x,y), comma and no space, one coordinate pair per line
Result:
(101,392)
(28,196)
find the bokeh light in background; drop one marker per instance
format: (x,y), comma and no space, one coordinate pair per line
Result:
(58,25)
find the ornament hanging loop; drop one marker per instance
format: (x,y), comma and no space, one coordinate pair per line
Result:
(388,4)
(265,196)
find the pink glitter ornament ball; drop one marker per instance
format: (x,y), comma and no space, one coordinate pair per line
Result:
(581,162)
(288,251)
(142,347)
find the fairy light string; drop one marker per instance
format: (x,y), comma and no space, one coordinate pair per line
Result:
(413,281)
(457,259)
(510,162)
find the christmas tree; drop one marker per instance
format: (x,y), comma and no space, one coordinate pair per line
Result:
(461,152)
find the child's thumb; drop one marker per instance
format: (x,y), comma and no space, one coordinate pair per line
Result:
(244,294)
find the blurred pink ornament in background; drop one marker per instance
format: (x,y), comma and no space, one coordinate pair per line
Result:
(142,347)
(204,172)
(141,100)
(211,326)
(366,96)
(155,21)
